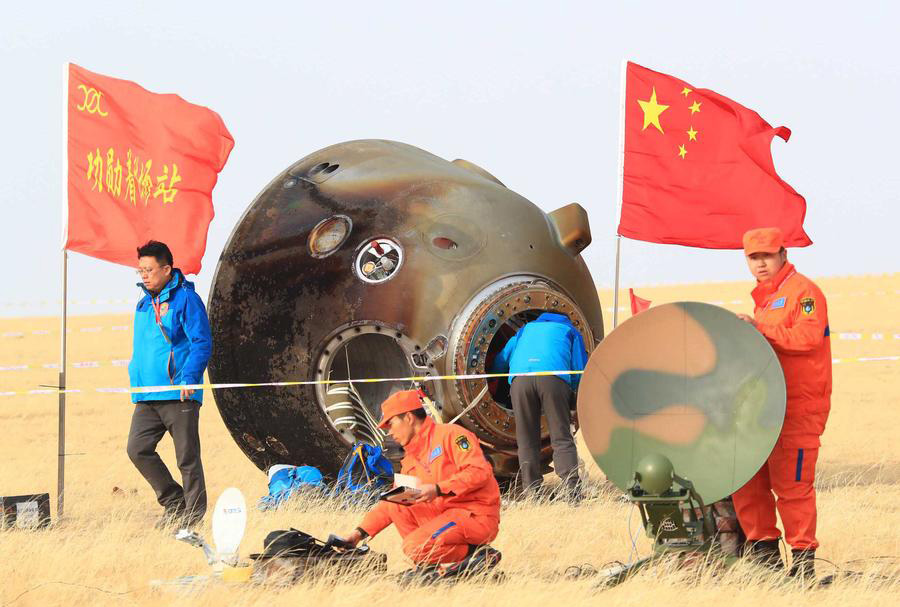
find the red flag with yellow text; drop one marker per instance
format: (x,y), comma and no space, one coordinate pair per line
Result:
(699,169)
(141,166)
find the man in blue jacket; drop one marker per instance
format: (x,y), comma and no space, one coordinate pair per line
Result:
(172,345)
(549,343)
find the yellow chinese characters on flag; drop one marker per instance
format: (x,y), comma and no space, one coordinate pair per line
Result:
(141,166)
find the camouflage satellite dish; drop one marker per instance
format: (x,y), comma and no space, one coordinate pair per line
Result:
(689,381)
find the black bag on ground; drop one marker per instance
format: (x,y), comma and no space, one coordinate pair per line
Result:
(288,542)
(290,554)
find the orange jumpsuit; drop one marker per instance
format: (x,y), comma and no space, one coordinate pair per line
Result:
(790,311)
(468,511)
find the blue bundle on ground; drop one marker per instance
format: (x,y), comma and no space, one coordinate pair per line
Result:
(287,481)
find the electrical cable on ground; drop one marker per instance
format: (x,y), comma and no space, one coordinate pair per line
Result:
(633,537)
(42,584)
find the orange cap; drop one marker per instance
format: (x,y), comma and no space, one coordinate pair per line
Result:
(397,403)
(763,240)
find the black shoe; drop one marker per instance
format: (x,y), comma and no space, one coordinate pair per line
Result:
(169,520)
(535,492)
(569,491)
(575,499)
(189,521)
(803,565)
(422,575)
(573,494)
(480,560)
(171,517)
(765,553)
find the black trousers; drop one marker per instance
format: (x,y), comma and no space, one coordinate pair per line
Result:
(149,422)
(530,396)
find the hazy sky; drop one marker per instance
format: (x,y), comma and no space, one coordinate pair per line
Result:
(529,91)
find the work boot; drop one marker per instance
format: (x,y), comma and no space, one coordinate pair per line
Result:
(803,565)
(478,561)
(765,553)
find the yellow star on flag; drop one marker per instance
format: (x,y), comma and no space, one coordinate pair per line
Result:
(682,152)
(695,108)
(652,110)
(692,134)
(686,91)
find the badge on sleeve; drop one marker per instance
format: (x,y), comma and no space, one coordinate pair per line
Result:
(463,443)
(807,305)
(435,453)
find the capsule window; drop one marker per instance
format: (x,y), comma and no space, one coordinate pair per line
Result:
(445,243)
(378,260)
(329,235)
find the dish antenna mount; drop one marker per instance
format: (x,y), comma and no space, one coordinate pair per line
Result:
(680,406)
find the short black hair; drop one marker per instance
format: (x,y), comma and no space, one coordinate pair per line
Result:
(156,249)
(419,413)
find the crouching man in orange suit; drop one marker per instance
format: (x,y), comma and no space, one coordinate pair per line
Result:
(791,313)
(458,510)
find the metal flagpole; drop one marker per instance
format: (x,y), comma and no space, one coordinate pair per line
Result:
(61,457)
(616,291)
(61,450)
(620,186)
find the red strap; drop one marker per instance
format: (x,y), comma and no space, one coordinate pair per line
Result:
(157,309)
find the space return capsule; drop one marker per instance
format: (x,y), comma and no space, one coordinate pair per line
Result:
(376,259)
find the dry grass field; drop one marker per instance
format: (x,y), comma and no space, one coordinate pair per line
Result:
(105,551)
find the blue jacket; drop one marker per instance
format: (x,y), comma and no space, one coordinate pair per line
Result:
(179,357)
(548,343)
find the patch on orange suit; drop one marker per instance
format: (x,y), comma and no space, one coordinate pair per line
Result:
(807,305)
(463,443)
(435,453)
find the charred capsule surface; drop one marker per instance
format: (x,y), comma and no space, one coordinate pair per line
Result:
(375,259)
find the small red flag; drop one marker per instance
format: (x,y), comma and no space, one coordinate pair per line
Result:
(638,304)
(141,166)
(699,169)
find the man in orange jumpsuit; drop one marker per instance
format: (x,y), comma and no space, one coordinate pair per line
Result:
(791,313)
(458,510)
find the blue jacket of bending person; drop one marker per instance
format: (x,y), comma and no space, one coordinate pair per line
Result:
(548,343)
(175,350)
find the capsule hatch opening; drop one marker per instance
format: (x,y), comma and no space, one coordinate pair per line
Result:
(498,387)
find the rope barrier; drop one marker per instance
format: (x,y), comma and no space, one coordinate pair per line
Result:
(283,384)
(123,362)
(325,382)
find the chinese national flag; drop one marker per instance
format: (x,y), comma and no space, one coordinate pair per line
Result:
(698,168)
(142,166)
(638,304)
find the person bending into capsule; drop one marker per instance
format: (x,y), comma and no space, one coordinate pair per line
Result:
(549,343)
(458,510)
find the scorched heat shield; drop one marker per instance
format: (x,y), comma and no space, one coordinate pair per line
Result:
(377,259)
